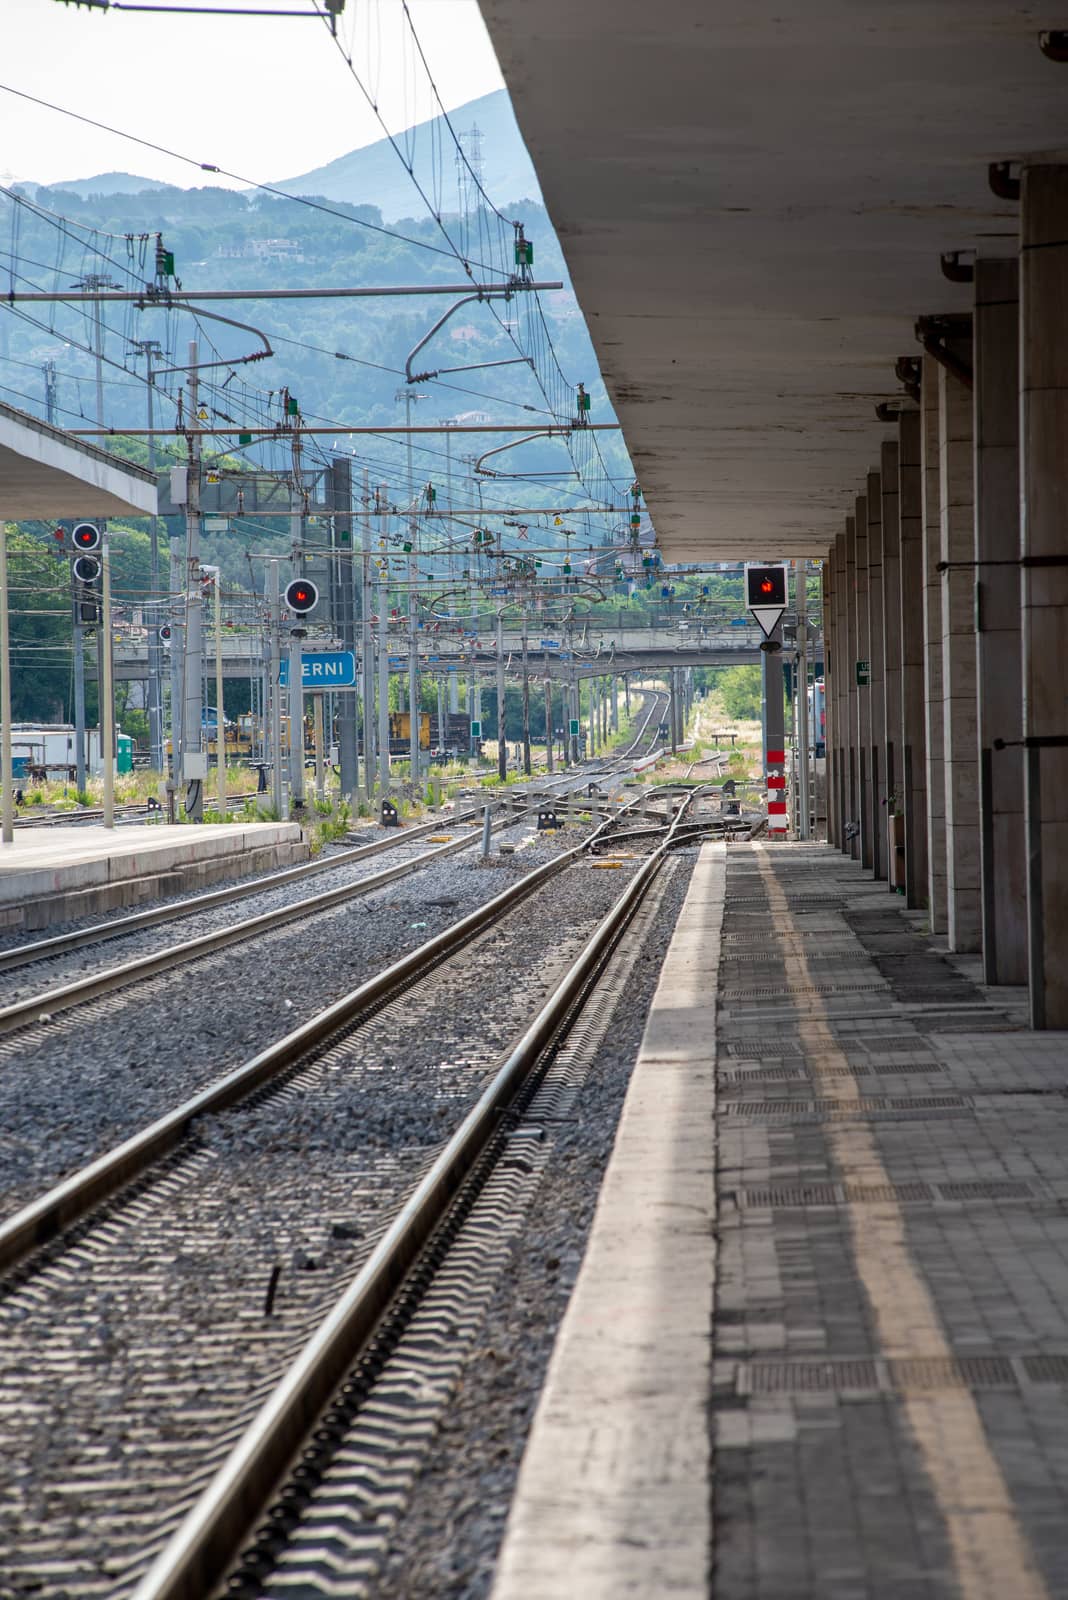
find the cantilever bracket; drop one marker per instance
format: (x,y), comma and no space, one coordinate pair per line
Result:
(465,300)
(541,433)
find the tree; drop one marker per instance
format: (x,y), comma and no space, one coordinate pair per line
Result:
(740,690)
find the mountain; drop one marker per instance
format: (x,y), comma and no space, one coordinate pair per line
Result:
(109,183)
(375,176)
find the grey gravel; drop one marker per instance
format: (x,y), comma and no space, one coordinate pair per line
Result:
(120,1409)
(446,1544)
(73,1087)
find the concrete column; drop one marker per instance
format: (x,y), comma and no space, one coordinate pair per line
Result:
(960,726)
(932,633)
(864,787)
(852,785)
(1044,539)
(876,703)
(913,732)
(888,478)
(1003,862)
(840,690)
(830,669)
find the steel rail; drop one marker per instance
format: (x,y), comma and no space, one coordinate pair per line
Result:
(47,1003)
(69,1200)
(38,1007)
(59,944)
(208,1540)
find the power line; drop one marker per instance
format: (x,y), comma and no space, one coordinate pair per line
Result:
(224,172)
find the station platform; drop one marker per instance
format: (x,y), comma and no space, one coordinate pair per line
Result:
(56,875)
(818,1346)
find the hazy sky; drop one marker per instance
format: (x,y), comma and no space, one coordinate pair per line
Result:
(266,97)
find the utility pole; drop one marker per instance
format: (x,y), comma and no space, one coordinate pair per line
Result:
(194,762)
(383,665)
(93,283)
(50,389)
(274,627)
(367,665)
(220,739)
(502,743)
(344,588)
(107,693)
(526,700)
(413,604)
(79,685)
(7,791)
(549,724)
(150,348)
(295,692)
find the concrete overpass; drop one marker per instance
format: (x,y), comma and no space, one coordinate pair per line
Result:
(593,652)
(823,253)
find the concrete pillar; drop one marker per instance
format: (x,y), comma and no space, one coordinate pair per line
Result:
(913,731)
(840,690)
(876,703)
(1003,861)
(1044,541)
(852,785)
(830,669)
(864,786)
(932,632)
(891,620)
(960,725)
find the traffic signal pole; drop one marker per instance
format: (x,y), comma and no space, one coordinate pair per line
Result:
(502,743)
(274,678)
(79,693)
(107,693)
(194,765)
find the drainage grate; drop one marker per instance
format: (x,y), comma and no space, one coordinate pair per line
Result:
(792,1197)
(862,1105)
(764,1074)
(951,1372)
(996,1189)
(1046,1369)
(902,1375)
(781,993)
(802,1377)
(760,1047)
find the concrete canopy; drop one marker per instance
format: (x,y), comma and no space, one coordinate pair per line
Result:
(46,473)
(752,198)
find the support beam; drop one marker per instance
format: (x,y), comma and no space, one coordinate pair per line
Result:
(960,713)
(1044,535)
(932,631)
(830,678)
(1003,875)
(913,729)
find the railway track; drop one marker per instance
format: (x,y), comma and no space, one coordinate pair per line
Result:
(47,1003)
(169,1285)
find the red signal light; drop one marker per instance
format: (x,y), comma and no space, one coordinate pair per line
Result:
(302,596)
(85,536)
(766,586)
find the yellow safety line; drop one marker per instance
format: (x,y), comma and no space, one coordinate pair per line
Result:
(990,1551)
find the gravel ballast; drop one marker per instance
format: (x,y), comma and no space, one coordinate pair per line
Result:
(446,1544)
(75,1086)
(122,1406)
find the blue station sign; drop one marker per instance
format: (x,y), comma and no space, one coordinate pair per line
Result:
(326,669)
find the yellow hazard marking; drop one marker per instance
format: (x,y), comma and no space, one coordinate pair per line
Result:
(990,1552)
(439,838)
(607,865)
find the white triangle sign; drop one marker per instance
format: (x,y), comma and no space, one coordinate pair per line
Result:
(768,617)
